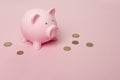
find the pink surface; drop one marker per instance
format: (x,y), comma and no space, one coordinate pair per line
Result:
(97,21)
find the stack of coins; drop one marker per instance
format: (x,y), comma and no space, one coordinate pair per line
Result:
(76,42)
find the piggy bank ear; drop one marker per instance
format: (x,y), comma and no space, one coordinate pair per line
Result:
(51,11)
(35,17)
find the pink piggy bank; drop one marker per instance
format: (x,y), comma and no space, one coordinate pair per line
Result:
(39,26)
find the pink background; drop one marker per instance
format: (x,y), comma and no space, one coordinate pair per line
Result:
(97,21)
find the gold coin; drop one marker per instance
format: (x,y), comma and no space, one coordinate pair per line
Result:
(75,42)
(67,48)
(75,35)
(7,44)
(89,44)
(20,52)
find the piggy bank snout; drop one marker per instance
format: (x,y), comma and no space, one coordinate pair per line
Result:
(52,31)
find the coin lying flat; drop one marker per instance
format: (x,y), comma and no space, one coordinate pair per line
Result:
(89,44)
(75,35)
(7,44)
(67,48)
(75,42)
(20,52)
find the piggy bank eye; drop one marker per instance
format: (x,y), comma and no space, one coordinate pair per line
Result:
(52,20)
(46,23)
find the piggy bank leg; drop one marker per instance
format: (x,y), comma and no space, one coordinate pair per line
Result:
(36,45)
